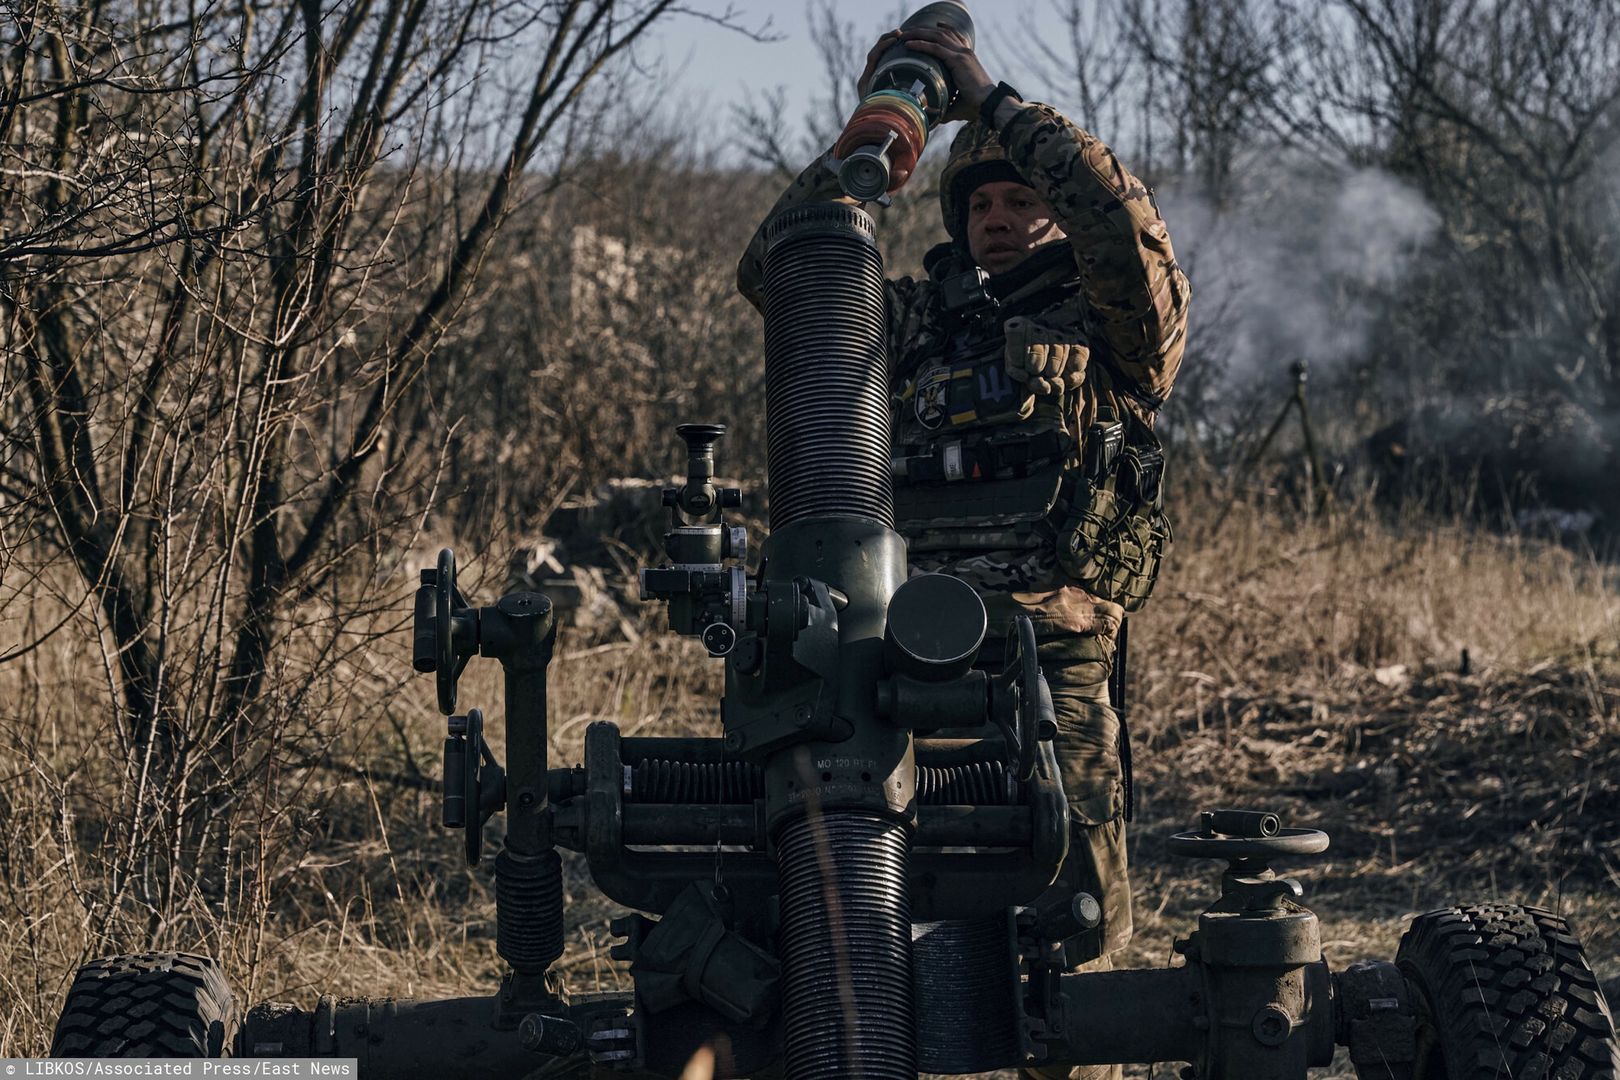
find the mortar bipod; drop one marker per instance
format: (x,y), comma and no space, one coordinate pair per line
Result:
(519,630)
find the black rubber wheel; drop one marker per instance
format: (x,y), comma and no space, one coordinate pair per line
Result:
(1505,993)
(159,1005)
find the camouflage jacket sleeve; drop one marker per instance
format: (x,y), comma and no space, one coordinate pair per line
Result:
(1128,271)
(816,183)
(904,298)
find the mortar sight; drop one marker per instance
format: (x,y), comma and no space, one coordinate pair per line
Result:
(698,498)
(704,583)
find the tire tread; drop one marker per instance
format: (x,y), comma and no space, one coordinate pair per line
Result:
(157,1004)
(1511,992)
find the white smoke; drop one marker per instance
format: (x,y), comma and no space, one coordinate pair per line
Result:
(1298,264)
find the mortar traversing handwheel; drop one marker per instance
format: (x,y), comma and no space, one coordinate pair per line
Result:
(1195,845)
(474,782)
(1249,841)
(1022,700)
(450,656)
(441,611)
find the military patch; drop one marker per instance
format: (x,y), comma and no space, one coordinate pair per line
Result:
(995,388)
(931,397)
(967,394)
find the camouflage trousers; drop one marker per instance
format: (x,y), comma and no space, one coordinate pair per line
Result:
(1087,746)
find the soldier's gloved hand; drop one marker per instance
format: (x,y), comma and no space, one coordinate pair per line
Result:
(1049,367)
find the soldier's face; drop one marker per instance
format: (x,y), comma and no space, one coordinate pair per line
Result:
(1005,222)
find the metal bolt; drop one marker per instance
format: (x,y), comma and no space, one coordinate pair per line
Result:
(1272,1026)
(1087,911)
(734,740)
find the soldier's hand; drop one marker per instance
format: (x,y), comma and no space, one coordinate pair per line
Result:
(864,83)
(1048,367)
(973,83)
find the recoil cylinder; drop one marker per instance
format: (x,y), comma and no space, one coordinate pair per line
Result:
(826,396)
(979,783)
(714,782)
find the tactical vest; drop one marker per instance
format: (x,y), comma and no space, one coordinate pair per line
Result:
(979,461)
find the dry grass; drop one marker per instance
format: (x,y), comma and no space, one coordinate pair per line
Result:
(1303,665)
(1313,668)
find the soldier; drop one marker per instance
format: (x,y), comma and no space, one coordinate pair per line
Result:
(1026,371)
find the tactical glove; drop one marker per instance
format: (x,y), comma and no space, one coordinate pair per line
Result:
(1048,367)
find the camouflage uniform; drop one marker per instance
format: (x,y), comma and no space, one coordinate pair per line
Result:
(1114,290)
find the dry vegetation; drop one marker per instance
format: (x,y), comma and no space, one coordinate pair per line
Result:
(1306,665)
(282,308)
(1317,670)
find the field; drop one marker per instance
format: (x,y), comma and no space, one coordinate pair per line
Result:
(288,303)
(1444,701)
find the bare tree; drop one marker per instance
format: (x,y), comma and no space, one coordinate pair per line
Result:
(1213,77)
(235,236)
(1088,68)
(1503,115)
(765,127)
(1507,114)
